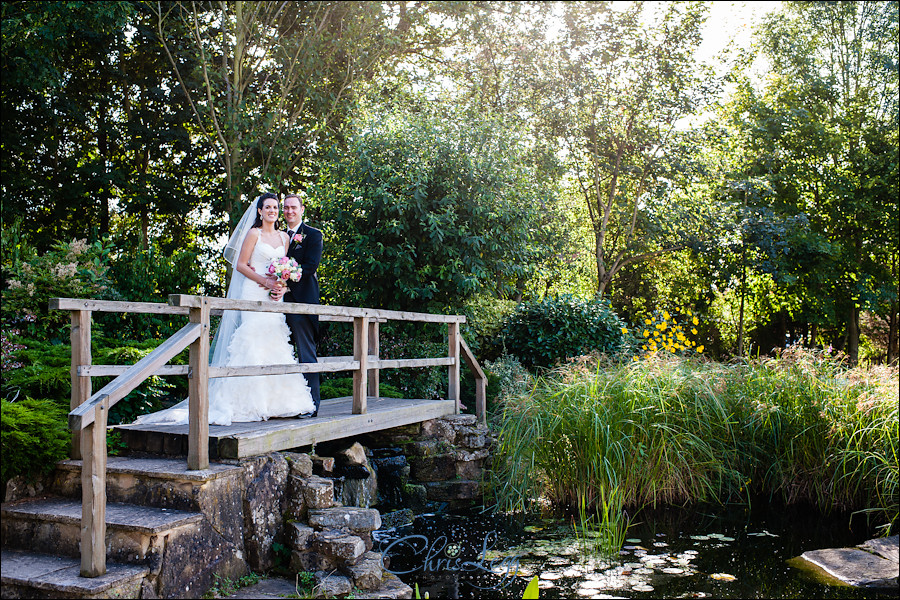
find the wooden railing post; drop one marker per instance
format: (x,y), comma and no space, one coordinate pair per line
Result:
(480,380)
(360,353)
(93,494)
(453,369)
(374,375)
(198,391)
(80,337)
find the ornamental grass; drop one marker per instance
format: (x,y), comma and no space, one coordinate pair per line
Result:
(673,430)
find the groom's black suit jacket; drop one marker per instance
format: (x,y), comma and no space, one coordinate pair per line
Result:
(308,254)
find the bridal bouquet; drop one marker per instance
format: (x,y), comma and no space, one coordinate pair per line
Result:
(284,268)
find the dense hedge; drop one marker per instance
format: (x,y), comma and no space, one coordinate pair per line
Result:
(34,437)
(541,333)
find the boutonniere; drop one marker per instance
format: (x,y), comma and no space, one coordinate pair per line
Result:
(298,238)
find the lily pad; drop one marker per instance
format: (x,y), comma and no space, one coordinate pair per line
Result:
(723,577)
(633,540)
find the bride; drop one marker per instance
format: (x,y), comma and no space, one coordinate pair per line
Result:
(246,338)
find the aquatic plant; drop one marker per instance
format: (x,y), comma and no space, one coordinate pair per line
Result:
(672,430)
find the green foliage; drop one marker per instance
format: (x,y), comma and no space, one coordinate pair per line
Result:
(224,587)
(484,319)
(542,333)
(668,430)
(421,211)
(339,388)
(34,436)
(73,269)
(507,378)
(45,372)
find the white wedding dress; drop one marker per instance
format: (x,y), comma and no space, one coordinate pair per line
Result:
(261,338)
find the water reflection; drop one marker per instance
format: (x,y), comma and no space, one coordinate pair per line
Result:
(733,553)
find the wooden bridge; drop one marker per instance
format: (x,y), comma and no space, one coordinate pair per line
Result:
(365,411)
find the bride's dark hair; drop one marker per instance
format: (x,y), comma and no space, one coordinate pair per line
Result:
(259,205)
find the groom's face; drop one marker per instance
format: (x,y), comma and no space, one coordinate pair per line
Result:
(293,210)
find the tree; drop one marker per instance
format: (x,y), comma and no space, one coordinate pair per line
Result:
(823,133)
(428,209)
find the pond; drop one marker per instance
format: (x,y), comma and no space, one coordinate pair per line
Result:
(711,552)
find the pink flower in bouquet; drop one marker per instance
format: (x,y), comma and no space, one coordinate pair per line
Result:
(284,268)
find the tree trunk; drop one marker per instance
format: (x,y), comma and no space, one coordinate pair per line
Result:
(853,336)
(893,349)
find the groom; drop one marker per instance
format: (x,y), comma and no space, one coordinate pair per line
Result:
(305,247)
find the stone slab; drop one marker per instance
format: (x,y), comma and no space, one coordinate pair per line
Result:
(167,468)
(122,516)
(275,588)
(888,547)
(855,567)
(61,574)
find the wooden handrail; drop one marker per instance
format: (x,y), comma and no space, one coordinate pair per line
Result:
(297,308)
(134,376)
(480,381)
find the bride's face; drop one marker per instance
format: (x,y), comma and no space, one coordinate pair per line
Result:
(269,211)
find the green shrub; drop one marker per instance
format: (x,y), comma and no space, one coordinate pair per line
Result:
(507,378)
(339,388)
(542,333)
(34,437)
(484,320)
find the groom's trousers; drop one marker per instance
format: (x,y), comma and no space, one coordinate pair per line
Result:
(304,329)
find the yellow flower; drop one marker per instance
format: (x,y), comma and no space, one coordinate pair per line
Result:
(694,330)
(688,312)
(665,314)
(624,330)
(699,349)
(695,321)
(647,321)
(646,333)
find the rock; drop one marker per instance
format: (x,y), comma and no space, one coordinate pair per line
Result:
(469,470)
(461,420)
(301,464)
(265,479)
(471,440)
(298,535)
(340,545)
(433,468)
(427,448)
(398,518)
(855,567)
(445,491)
(331,584)
(18,487)
(366,573)
(318,492)
(464,455)
(323,465)
(191,562)
(888,547)
(415,496)
(353,519)
(360,492)
(440,429)
(296,501)
(391,588)
(308,560)
(355,455)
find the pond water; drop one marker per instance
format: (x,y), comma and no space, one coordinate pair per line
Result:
(713,552)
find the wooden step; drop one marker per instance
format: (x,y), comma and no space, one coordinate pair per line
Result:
(134,534)
(34,575)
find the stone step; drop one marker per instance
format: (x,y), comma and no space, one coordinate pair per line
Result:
(162,482)
(215,492)
(34,575)
(134,534)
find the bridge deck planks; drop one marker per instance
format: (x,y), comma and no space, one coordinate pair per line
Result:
(334,421)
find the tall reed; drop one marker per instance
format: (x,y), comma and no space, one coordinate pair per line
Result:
(673,431)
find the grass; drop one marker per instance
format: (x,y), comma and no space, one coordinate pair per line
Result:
(800,428)
(224,586)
